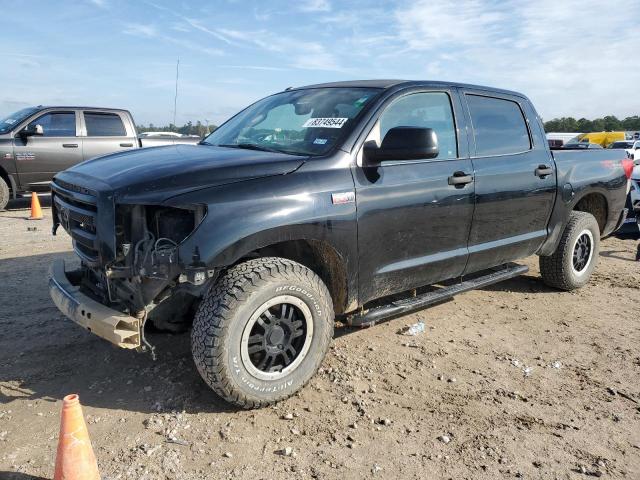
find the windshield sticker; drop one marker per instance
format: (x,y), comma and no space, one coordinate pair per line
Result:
(325,122)
(320,141)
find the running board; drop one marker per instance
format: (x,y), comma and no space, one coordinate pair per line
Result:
(368,318)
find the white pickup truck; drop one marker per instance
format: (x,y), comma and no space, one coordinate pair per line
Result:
(38,142)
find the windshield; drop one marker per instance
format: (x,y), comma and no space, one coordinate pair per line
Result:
(10,121)
(297,122)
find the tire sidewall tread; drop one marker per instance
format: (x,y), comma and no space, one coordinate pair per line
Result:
(556,269)
(221,318)
(5,194)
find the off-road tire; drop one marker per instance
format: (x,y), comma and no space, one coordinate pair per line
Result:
(226,310)
(5,194)
(557,269)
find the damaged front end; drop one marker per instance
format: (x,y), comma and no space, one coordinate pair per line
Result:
(147,260)
(130,264)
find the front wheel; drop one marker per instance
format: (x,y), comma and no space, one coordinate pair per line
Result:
(262,331)
(576,256)
(5,193)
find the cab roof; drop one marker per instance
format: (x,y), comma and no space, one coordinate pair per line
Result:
(390,83)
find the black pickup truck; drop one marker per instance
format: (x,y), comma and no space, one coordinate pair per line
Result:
(357,200)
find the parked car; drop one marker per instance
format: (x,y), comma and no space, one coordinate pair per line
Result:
(339,200)
(582,146)
(38,142)
(603,139)
(622,144)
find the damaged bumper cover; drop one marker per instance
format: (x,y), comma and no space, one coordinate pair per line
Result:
(118,328)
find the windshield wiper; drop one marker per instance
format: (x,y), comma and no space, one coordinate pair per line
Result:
(254,146)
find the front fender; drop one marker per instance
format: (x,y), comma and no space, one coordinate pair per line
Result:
(258,213)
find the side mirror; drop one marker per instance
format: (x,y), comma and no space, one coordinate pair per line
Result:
(403,143)
(32,130)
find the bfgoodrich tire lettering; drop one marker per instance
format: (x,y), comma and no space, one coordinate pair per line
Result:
(236,300)
(573,262)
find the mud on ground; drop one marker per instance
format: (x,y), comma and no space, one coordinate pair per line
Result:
(512,381)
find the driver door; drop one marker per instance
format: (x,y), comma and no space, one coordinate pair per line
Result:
(39,158)
(413,224)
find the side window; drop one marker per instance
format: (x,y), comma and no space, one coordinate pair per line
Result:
(429,110)
(57,124)
(498,126)
(104,125)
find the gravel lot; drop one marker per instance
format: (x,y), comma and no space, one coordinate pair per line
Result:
(512,381)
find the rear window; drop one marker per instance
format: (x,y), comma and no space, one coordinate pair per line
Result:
(499,127)
(104,125)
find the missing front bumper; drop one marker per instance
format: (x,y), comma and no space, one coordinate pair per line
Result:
(118,328)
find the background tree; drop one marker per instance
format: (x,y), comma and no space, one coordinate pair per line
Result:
(609,123)
(187,129)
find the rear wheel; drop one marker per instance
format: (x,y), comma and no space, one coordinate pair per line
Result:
(576,256)
(262,331)
(5,195)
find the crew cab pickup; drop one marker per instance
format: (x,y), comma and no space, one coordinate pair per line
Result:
(38,142)
(353,200)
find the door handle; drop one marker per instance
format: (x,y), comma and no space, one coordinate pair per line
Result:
(460,179)
(543,171)
(126,145)
(69,145)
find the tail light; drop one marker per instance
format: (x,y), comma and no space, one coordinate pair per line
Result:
(627,166)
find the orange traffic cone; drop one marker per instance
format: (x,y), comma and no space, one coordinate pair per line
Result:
(75,459)
(36,211)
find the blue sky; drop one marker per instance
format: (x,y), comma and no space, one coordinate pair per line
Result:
(574,58)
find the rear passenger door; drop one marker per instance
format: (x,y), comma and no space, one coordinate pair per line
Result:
(40,157)
(515,179)
(106,132)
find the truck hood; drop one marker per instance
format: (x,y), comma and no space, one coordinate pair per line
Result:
(158,173)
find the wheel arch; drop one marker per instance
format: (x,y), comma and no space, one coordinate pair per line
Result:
(318,256)
(596,204)
(9,180)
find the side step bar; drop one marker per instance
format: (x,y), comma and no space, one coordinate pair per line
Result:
(368,318)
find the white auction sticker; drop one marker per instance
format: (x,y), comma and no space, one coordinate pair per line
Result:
(325,122)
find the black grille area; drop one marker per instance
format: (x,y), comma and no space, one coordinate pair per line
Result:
(75,188)
(77,212)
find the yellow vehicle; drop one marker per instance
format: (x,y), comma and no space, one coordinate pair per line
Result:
(601,138)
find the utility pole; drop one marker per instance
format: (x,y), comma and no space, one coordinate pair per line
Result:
(175,99)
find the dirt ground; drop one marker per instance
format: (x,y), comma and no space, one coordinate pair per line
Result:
(523,381)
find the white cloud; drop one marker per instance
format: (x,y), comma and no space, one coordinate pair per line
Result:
(294,52)
(569,62)
(99,3)
(315,6)
(151,32)
(141,30)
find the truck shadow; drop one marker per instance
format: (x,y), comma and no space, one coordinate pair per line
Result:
(44,356)
(4,475)
(615,254)
(521,284)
